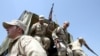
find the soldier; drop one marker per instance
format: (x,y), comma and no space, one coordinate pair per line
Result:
(21,45)
(76,47)
(40,29)
(61,38)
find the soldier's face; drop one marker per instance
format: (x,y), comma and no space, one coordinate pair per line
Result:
(41,21)
(11,31)
(66,25)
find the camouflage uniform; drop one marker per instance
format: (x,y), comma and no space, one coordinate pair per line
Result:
(77,48)
(20,44)
(25,46)
(40,32)
(62,37)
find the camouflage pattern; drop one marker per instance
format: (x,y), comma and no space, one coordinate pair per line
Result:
(40,34)
(24,47)
(77,48)
(63,40)
(29,19)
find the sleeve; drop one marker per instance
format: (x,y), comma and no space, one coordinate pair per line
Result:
(32,28)
(54,33)
(46,25)
(50,27)
(31,47)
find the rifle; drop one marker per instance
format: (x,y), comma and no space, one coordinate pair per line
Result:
(89,48)
(50,23)
(50,14)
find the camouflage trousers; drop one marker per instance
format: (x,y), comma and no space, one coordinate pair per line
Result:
(62,51)
(69,52)
(44,41)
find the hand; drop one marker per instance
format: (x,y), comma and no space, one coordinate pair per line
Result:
(56,40)
(57,44)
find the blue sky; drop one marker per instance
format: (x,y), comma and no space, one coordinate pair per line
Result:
(83,15)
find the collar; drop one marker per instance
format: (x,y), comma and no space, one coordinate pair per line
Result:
(12,40)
